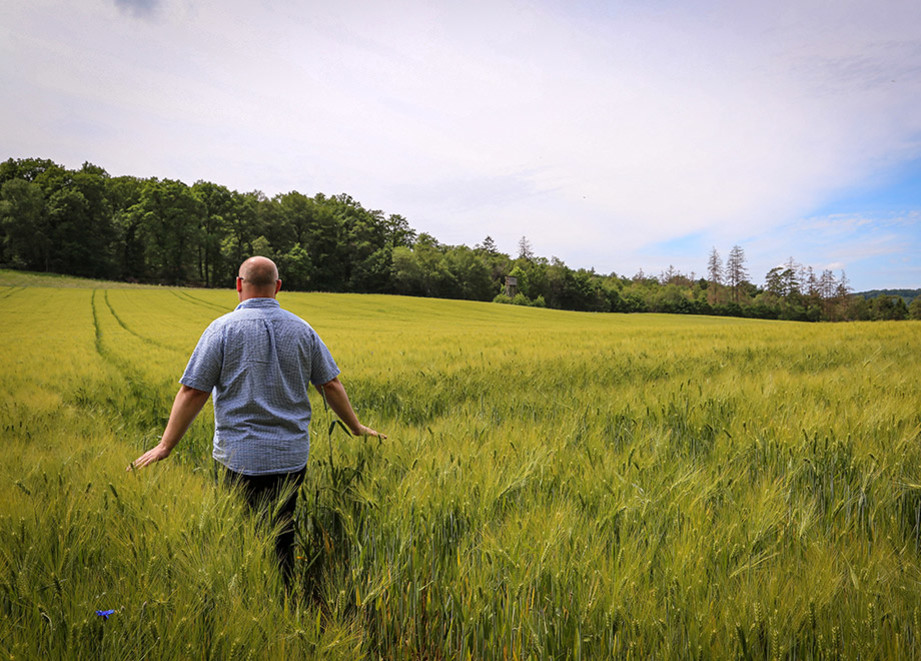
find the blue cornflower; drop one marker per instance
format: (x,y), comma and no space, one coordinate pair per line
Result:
(104,614)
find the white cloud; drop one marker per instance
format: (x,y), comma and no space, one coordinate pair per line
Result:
(140,8)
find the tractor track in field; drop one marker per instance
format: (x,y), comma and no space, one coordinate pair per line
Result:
(10,291)
(104,353)
(121,322)
(140,391)
(188,298)
(96,329)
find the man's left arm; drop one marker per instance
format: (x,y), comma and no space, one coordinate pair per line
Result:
(338,400)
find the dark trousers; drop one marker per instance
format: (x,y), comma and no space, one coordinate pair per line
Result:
(263,494)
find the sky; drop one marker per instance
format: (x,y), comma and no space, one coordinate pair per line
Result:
(617,135)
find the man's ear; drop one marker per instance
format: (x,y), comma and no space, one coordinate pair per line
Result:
(239,284)
(277,286)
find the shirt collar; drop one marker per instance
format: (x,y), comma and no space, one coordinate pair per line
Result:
(258,303)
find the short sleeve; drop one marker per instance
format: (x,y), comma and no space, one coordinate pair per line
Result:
(323,368)
(204,369)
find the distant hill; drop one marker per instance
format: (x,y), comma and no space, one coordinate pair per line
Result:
(908,295)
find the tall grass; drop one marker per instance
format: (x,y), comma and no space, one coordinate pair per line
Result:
(555,485)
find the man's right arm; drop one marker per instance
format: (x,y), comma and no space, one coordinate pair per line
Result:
(186,406)
(338,400)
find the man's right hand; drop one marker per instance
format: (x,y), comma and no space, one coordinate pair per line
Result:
(153,455)
(186,406)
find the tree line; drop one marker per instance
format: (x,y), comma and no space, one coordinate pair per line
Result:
(88,223)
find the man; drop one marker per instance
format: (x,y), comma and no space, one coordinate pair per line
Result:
(259,361)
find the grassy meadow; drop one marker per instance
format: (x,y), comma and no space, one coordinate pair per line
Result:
(555,485)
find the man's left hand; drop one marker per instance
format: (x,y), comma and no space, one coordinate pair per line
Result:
(367,431)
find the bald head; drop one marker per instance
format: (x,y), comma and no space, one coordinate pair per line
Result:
(259,272)
(258,278)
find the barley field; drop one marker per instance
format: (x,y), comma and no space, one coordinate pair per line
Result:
(555,485)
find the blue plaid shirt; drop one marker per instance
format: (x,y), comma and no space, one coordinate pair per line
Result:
(259,362)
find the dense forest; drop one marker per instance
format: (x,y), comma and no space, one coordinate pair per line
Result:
(87,223)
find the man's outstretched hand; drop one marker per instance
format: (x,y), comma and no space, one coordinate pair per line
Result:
(367,431)
(186,406)
(152,456)
(337,399)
